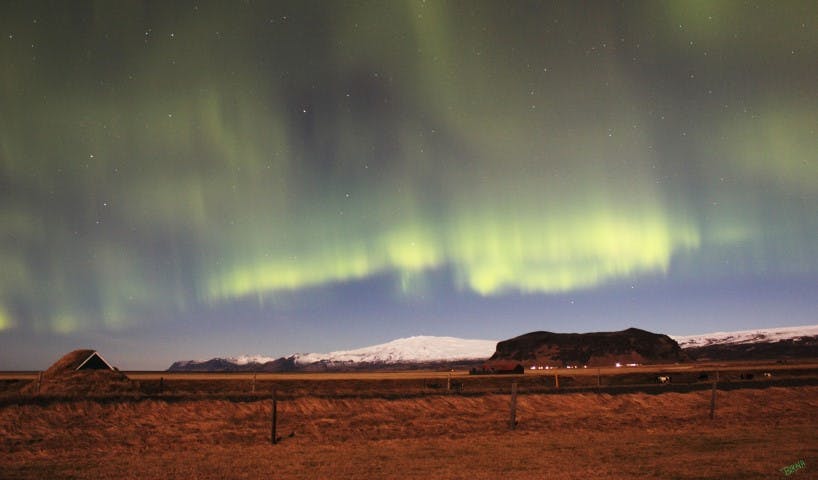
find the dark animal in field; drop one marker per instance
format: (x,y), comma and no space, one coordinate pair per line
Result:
(499,368)
(746,376)
(457,386)
(663,379)
(704,376)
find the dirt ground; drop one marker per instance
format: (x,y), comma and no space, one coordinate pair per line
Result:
(756,433)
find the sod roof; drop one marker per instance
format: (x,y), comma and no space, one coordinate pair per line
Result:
(81,372)
(78,360)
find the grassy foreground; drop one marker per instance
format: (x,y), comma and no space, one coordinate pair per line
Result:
(755,434)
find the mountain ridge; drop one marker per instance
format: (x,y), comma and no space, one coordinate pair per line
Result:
(431,351)
(747,336)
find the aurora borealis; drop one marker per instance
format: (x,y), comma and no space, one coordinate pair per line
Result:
(190,179)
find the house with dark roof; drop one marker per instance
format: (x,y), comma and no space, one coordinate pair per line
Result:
(79,360)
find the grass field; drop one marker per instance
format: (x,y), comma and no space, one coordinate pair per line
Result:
(406,383)
(679,368)
(756,432)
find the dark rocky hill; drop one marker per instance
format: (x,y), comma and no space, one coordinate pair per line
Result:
(592,349)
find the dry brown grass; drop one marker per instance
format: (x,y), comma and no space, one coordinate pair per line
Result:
(396,384)
(755,433)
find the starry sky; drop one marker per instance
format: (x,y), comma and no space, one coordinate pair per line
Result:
(195,179)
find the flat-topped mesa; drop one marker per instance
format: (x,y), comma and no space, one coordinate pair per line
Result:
(596,349)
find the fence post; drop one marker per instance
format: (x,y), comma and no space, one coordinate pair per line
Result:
(161,385)
(449,382)
(557,380)
(39,382)
(713,398)
(275,419)
(512,424)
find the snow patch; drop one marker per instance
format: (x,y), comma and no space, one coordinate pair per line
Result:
(245,359)
(767,335)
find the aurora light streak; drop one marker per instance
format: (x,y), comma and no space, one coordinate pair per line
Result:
(162,164)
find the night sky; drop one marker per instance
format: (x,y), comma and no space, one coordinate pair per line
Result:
(192,179)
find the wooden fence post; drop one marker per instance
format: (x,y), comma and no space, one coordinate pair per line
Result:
(713,398)
(512,424)
(557,380)
(449,382)
(39,382)
(275,419)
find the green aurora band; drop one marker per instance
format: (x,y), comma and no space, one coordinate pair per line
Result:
(158,161)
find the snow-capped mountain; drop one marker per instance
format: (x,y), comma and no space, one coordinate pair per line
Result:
(766,335)
(408,350)
(403,351)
